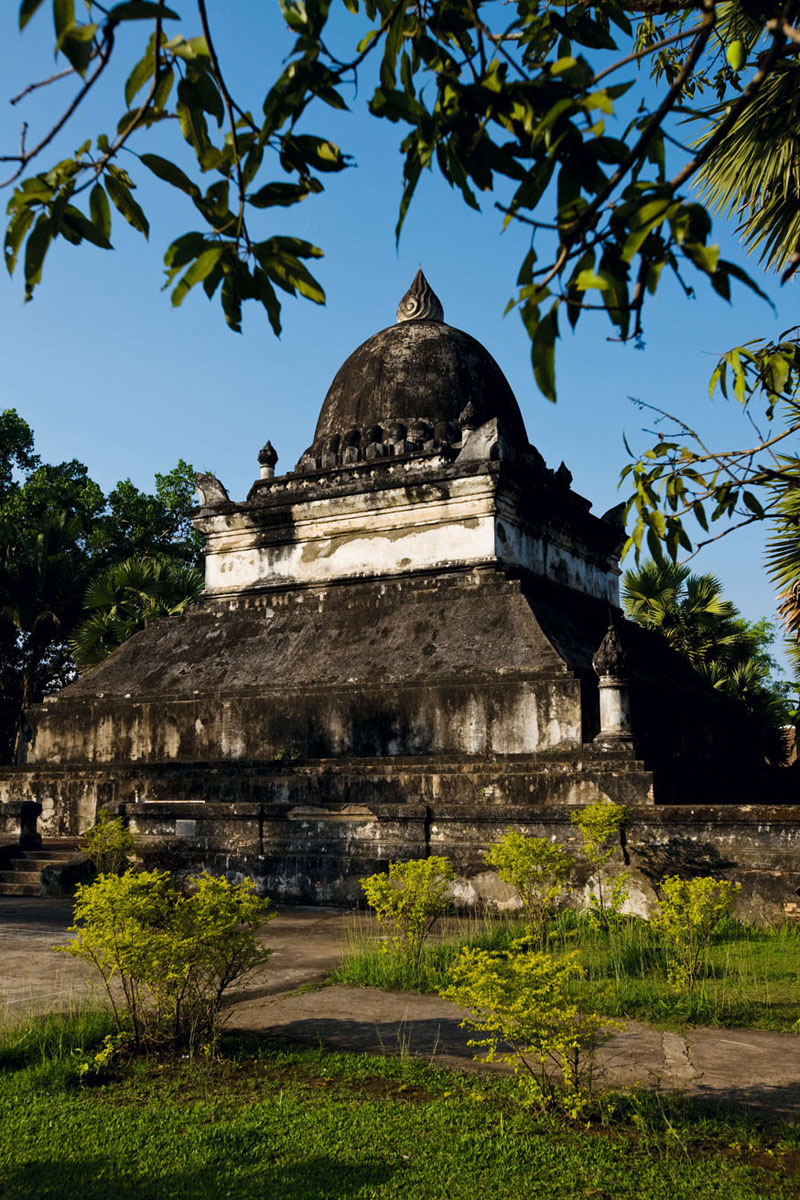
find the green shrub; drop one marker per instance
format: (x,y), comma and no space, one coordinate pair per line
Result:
(109,844)
(537,869)
(520,1001)
(173,954)
(408,900)
(689,911)
(598,824)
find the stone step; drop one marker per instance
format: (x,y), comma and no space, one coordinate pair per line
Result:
(36,863)
(21,877)
(20,889)
(43,856)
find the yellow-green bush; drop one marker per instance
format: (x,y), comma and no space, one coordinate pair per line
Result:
(408,900)
(537,869)
(600,826)
(109,844)
(689,911)
(520,1002)
(174,954)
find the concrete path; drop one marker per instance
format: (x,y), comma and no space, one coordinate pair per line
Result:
(751,1067)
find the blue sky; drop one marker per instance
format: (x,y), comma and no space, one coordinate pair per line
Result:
(105,370)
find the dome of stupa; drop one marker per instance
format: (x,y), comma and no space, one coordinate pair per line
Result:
(413,380)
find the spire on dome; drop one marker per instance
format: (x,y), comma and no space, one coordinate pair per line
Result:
(420,302)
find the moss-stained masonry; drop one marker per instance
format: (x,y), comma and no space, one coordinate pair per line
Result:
(393,657)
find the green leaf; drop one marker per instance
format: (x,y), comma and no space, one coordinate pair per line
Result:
(63,19)
(124,202)
(15,233)
(170,173)
(266,294)
(192,122)
(273,194)
(654,545)
(644,220)
(700,515)
(252,164)
(141,10)
(200,268)
(76,46)
(35,250)
(753,504)
(593,279)
(777,373)
(713,381)
(163,88)
(188,49)
(737,273)
(294,246)
(705,258)
(139,76)
(543,353)
(26,10)
(99,210)
(317,152)
(183,250)
(79,223)
(207,94)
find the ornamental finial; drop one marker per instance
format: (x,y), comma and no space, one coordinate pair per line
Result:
(611,658)
(420,302)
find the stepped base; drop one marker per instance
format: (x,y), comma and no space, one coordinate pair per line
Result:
(51,869)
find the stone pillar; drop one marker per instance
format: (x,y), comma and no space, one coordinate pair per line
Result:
(611,666)
(18,819)
(267,459)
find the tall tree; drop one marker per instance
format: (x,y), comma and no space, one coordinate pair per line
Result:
(57,533)
(42,573)
(506,101)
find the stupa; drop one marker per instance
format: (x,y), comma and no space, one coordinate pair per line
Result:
(407,643)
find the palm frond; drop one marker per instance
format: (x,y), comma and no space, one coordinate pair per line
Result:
(754,173)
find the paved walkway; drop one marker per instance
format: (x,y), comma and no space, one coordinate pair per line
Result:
(751,1067)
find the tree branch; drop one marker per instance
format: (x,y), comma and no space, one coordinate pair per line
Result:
(241,228)
(104,54)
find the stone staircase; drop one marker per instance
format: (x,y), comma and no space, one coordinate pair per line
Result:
(23,870)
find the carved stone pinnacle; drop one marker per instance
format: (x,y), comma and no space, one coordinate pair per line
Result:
(420,302)
(468,417)
(611,657)
(267,455)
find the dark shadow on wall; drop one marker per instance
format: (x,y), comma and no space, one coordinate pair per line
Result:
(682,856)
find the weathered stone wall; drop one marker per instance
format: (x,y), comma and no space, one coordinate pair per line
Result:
(509,717)
(389,519)
(71,797)
(318,854)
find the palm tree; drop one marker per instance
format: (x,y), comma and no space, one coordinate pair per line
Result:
(783,549)
(125,596)
(754,174)
(688,610)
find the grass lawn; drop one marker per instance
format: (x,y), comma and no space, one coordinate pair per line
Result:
(752,975)
(270,1124)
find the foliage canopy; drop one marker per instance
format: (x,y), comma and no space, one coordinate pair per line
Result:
(58,532)
(513,101)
